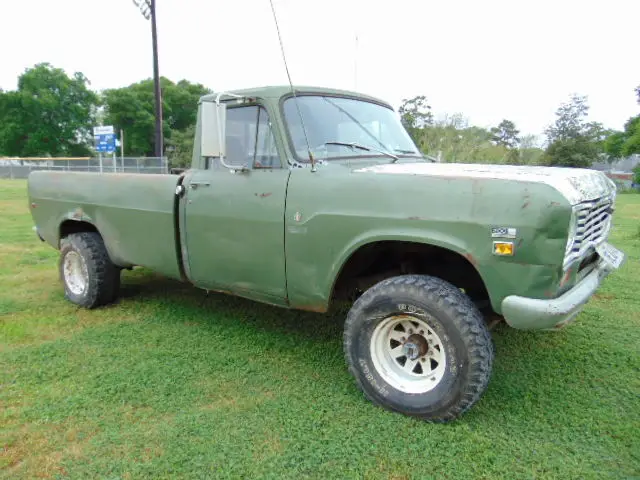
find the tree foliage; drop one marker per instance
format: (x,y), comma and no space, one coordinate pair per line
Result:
(451,138)
(613,145)
(579,152)
(180,146)
(505,134)
(570,119)
(636,174)
(631,137)
(131,108)
(572,141)
(50,113)
(627,142)
(529,152)
(415,114)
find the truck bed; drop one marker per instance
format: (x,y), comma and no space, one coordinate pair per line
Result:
(135,213)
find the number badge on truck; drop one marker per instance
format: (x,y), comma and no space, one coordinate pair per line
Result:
(504,232)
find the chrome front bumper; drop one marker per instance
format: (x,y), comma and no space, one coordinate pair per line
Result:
(539,314)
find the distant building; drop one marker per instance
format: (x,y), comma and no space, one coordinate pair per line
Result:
(621,165)
(620,171)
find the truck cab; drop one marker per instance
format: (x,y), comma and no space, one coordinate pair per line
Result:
(270,136)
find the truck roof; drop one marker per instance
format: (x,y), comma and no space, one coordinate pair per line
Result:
(277,91)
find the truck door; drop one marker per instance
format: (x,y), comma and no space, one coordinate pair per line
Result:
(234,221)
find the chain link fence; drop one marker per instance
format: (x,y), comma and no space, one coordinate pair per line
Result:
(21,167)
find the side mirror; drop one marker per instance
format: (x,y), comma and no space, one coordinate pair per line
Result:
(213,118)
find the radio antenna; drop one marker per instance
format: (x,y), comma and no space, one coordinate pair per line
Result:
(293,91)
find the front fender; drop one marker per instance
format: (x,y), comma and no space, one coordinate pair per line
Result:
(419,235)
(320,284)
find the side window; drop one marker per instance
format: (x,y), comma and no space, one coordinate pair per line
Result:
(266,152)
(250,139)
(241,135)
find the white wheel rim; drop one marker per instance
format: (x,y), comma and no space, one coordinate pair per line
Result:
(408,354)
(75,273)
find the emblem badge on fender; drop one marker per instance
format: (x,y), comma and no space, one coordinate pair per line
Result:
(504,232)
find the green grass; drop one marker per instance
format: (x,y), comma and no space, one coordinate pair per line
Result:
(174,382)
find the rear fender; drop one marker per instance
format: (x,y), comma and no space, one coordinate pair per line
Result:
(75,215)
(85,223)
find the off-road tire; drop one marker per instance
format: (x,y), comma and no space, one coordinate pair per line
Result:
(102,276)
(452,316)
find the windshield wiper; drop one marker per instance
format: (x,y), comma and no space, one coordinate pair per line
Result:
(365,148)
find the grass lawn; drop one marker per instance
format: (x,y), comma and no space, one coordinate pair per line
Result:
(174,382)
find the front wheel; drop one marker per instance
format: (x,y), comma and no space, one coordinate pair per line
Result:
(417,345)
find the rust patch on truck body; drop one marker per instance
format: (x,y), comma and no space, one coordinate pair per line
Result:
(77,214)
(317,308)
(472,259)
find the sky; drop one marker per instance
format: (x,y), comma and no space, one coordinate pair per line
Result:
(488,60)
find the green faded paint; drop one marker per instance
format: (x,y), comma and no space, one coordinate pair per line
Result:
(234,232)
(340,211)
(283,235)
(133,213)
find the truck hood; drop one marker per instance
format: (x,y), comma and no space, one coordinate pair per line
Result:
(575,184)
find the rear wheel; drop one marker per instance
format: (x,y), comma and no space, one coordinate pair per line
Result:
(417,345)
(90,278)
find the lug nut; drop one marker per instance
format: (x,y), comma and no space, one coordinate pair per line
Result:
(421,332)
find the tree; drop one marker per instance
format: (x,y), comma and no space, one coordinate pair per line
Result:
(572,152)
(570,119)
(613,145)
(572,142)
(49,114)
(632,137)
(505,134)
(182,100)
(530,152)
(627,142)
(415,114)
(455,140)
(131,108)
(181,147)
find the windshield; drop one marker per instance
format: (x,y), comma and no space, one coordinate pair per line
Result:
(345,120)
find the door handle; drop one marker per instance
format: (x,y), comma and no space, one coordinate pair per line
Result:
(195,185)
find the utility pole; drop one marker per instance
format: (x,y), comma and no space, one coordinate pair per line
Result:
(148,10)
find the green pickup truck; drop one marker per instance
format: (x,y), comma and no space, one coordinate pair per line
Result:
(310,197)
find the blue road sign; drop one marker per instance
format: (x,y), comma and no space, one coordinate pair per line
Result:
(106,143)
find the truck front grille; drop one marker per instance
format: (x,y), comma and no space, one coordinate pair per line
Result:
(593,225)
